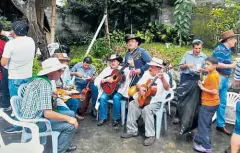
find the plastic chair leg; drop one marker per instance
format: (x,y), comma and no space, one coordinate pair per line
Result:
(55,135)
(169,108)
(165,120)
(123,111)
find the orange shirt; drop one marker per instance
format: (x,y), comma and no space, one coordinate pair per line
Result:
(211,82)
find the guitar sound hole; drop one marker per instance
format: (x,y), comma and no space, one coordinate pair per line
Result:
(114,77)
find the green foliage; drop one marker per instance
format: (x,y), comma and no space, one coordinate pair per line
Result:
(147,35)
(6,24)
(100,48)
(117,37)
(36,65)
(182,19)
(223,18)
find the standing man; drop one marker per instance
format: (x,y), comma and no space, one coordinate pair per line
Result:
(18,57)
(223,53)
(191,62)
(83,72)
(137,65)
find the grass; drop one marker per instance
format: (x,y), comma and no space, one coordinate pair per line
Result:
(173,53)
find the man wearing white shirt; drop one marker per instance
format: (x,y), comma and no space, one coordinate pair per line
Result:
(117,95)
(18,57)
(147,112)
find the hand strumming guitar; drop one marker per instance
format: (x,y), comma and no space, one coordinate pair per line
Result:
(80,75)
(108,79)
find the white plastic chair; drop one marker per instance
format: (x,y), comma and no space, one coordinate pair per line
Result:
(162,111)
(16,103)
(21,89)
(174,86)
(232,99)
(32,146)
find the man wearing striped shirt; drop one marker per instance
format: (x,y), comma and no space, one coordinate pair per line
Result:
(223,53)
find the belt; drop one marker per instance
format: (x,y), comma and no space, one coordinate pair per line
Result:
(224,75)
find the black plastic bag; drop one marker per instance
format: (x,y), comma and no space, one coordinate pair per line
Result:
(189,101)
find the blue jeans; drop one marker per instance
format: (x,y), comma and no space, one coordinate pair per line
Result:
(66,111)
(237,123)
(66,130)
(204,125)
(4,89)
(73,104)
(94,92)
(13,85)
(223,87)
(116,105)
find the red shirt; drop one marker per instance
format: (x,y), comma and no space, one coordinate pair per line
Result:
(2,44)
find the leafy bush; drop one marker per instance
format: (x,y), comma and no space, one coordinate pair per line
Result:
(36,65)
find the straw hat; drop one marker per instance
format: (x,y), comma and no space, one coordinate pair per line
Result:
(227,34)
(61,56)
(156,62)
(51,65)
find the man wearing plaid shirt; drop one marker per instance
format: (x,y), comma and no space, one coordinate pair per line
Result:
(38,103)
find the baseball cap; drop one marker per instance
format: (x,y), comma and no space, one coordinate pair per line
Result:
(20,28)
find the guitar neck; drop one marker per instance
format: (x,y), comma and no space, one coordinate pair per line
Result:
(121,70)
(152,82)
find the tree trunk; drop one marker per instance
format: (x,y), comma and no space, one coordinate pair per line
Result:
(28,8)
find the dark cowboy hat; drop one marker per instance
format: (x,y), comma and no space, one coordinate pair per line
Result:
(117,57)
(227,34)
(132,36)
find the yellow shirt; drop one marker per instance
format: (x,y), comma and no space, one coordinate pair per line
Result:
(211,82)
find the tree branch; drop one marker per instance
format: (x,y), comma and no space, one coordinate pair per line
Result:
(21,5)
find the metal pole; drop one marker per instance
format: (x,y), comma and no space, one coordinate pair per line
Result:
(95,36)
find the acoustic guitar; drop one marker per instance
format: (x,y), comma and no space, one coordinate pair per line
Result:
(85,98)
(64,95)
(149,90)
(118,78)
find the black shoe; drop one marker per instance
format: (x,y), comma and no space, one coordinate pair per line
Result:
(115,123)
(224,130)
(13,129)
(101,122)
(71,148)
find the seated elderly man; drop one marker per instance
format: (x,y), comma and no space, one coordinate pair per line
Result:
(38,103)
(147,111)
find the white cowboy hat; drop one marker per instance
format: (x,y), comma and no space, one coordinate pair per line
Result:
(50,65)
(156,62)
(117,57)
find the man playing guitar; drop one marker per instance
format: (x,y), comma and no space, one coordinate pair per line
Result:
(119,92)
(137,66)
(148,110)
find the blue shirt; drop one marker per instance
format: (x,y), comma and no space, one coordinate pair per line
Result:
(190,58)
(139,63)
(224,55)
(86,73)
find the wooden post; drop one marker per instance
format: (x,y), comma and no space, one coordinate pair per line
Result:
(106,25)
(53,21)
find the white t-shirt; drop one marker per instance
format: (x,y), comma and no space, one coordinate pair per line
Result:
(160,89)
(20,52)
